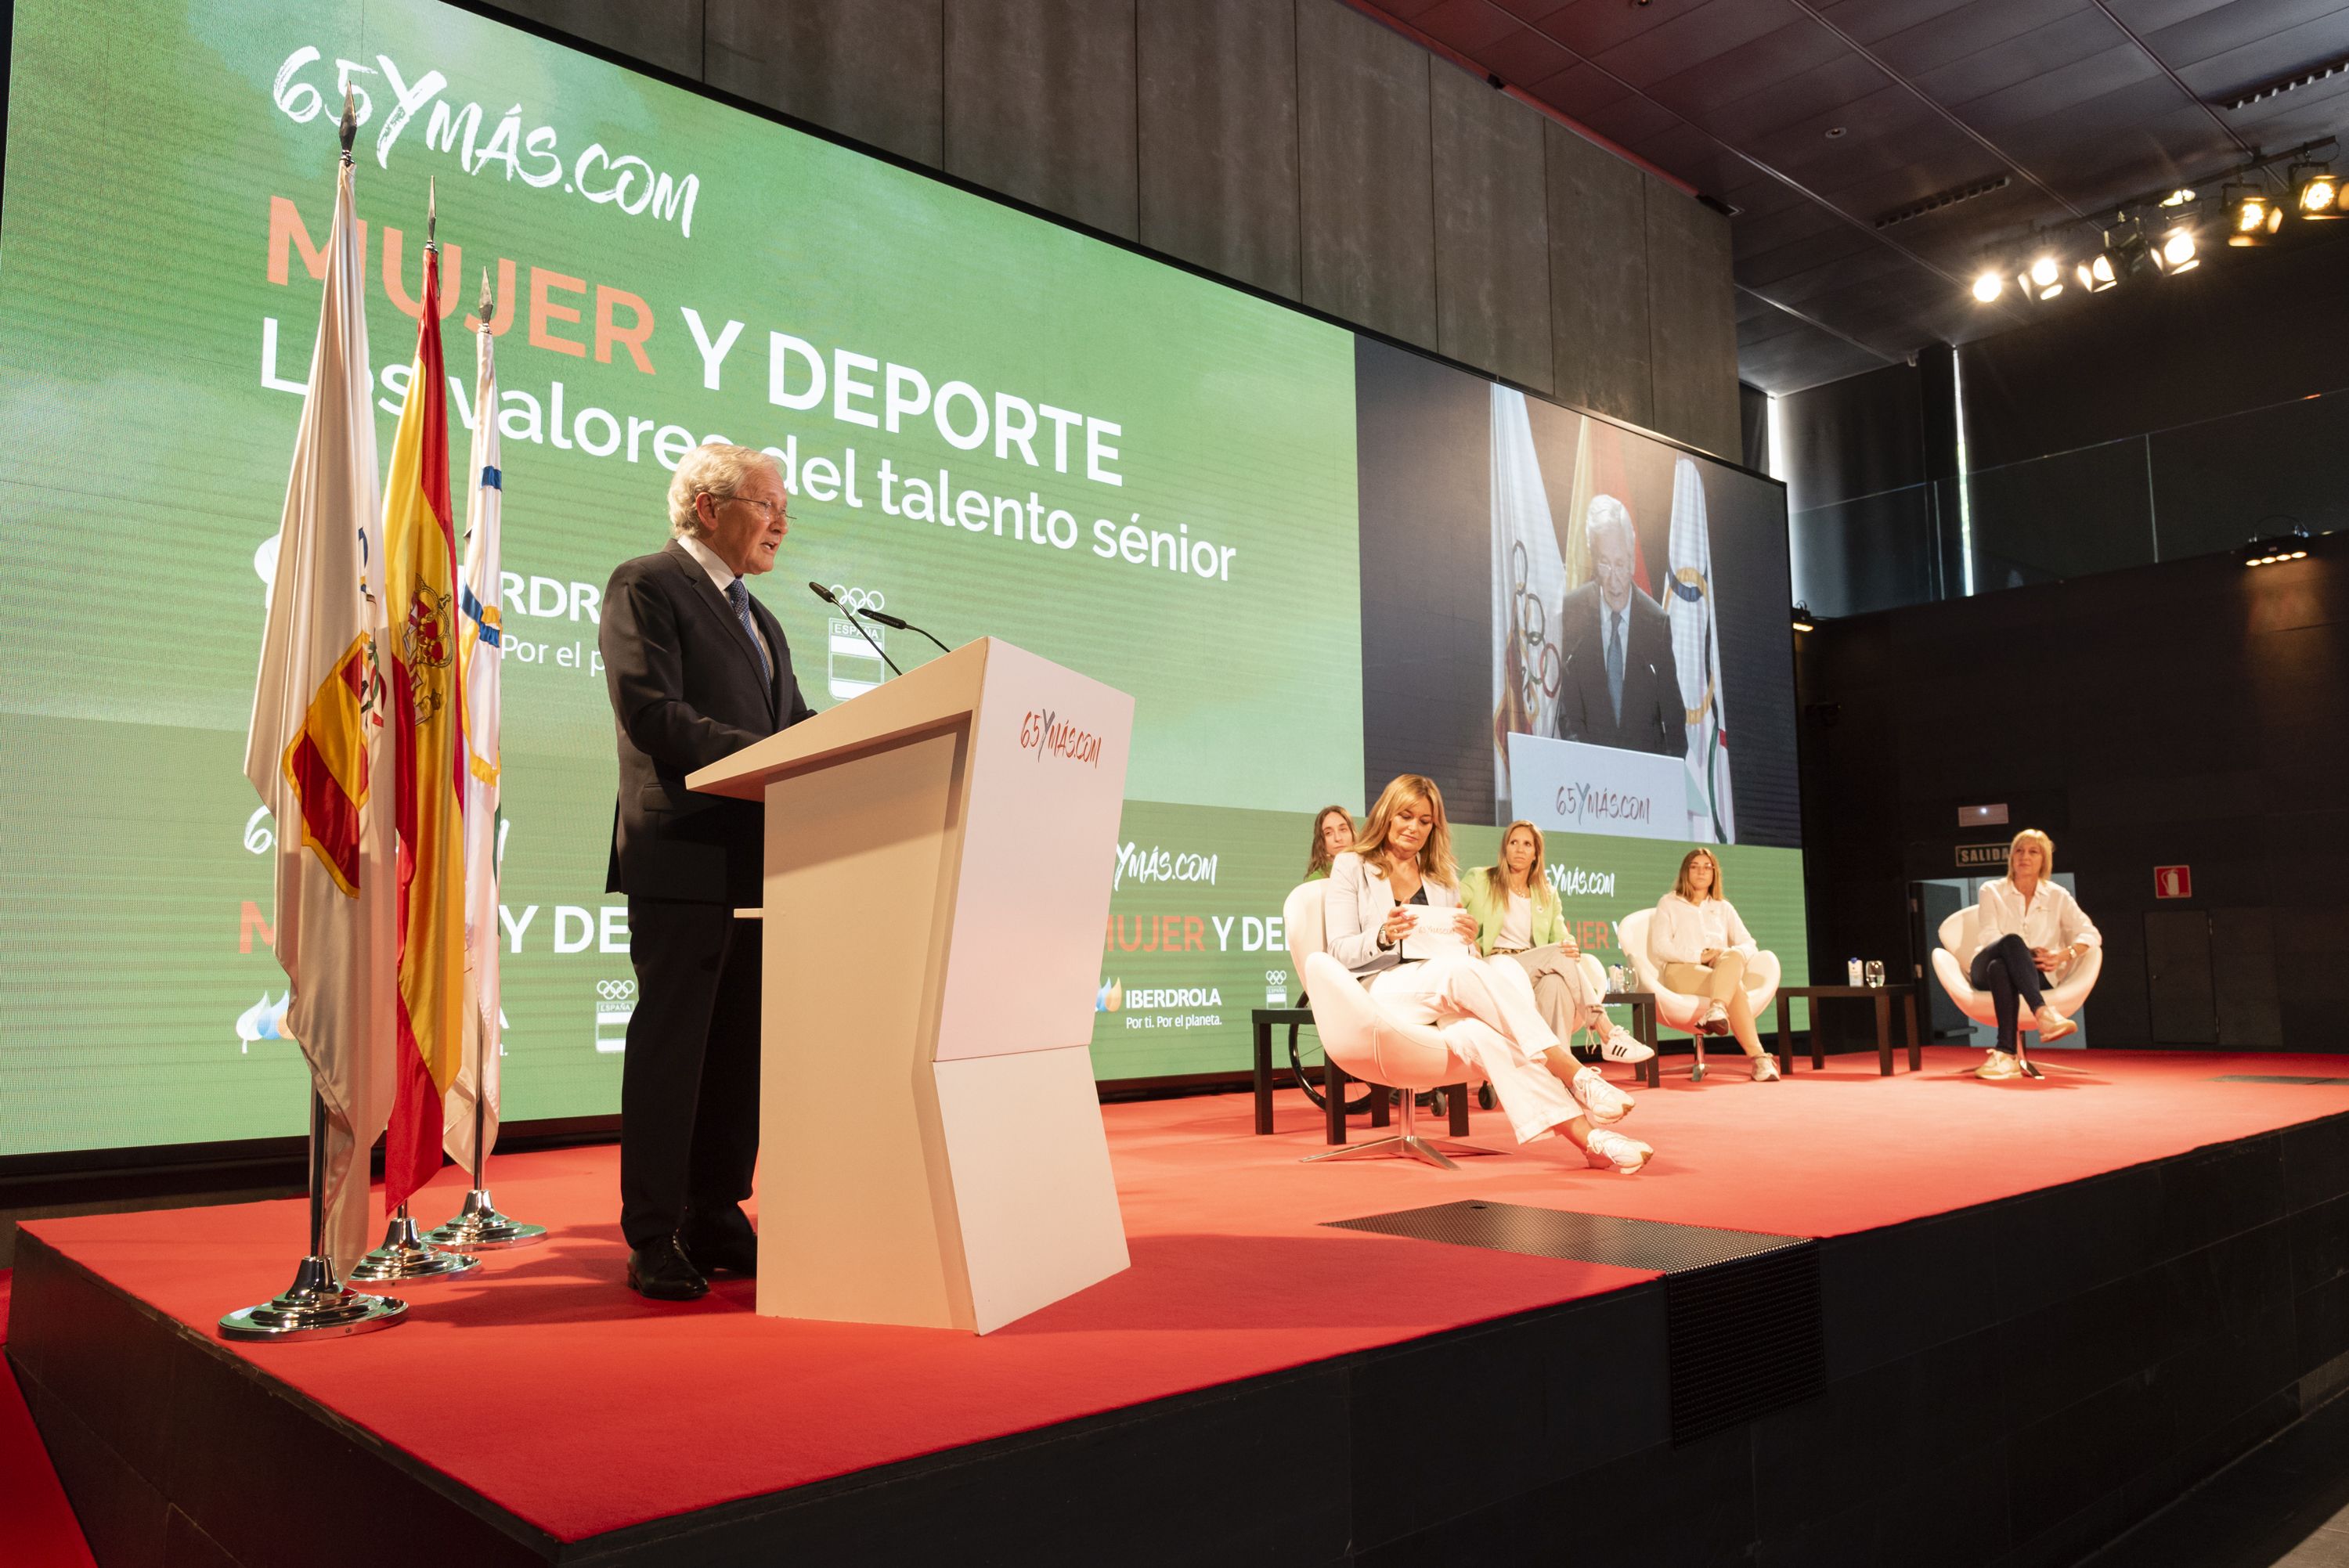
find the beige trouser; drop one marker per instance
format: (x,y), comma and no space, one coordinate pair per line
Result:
(1560,987)
(1719,980)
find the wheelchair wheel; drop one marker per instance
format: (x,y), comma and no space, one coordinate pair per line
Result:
(1309,1078)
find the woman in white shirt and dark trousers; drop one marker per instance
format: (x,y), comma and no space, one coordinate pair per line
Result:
(1700,948)
(2025,927)
(1401,873)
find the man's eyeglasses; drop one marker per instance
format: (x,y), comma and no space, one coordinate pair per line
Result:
(774,509)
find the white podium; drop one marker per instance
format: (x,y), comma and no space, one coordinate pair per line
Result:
(938,861)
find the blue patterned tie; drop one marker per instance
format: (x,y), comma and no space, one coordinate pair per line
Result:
(740,597)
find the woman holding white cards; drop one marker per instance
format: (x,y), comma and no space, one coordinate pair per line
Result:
(1393,915)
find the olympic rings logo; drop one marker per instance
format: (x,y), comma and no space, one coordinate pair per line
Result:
(859,599)
(1539,669)
(615,990)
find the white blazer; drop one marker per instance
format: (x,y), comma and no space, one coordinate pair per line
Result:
(1681,931)
(1354,905)
(2055,918)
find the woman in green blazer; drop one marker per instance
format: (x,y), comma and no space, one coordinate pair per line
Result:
(1519,920)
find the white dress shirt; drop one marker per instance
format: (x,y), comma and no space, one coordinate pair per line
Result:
(1682,932)
(2054,920)
(722,577)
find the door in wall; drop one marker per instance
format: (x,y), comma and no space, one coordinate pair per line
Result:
(2181,993)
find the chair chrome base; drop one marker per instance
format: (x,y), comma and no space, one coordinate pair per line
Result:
(480,1228)
(316,1306)
(403,1256)
(1403,1146)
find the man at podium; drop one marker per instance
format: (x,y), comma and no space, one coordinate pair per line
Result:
(697,669)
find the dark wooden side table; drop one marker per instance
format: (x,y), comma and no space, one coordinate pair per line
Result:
(1881,995)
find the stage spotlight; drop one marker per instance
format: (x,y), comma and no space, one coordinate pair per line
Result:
(1803,622)
(2177,198)
(2252,215)
(1988,286)
(2315,193)
(2097,275)
(2177,252)
(2041,280)
(2277,549)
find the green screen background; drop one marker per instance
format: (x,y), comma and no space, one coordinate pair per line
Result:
(146,465)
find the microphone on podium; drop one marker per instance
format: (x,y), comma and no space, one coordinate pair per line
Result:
(903,625)
(824,593)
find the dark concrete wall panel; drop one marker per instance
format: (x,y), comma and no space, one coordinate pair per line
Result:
(1039,105)
(1597,278)
(871,69)
(664,32)
(1217,101)
(1492,231)
(1691,320)
(1365,153)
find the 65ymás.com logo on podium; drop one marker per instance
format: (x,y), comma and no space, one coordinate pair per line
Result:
(1047,734)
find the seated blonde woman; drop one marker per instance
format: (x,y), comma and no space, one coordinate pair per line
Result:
(1333,835)
(1520,920)
(1398,887)
(1700,948)
(2025,927)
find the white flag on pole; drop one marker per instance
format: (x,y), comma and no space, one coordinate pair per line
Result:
(481,638)
(315,750)
(1696,647)
(1528,587)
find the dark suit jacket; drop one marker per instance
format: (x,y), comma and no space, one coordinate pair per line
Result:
(1655,718)
(686,691)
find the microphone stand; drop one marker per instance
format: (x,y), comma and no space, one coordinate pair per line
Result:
(824,593)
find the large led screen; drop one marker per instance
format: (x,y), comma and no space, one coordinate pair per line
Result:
(992,425)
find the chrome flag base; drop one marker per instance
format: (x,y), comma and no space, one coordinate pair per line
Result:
(403,1256)
(479,1227)
(316,1306)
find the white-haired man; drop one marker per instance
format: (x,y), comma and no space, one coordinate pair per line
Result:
(1621,686)
(697,669)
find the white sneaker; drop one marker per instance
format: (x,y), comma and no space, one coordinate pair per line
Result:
(1715,1020)
(1766,1068)
(1999,1065)
(1614,1151)
(1601,1101)
(2053,1025)
(1617,1045)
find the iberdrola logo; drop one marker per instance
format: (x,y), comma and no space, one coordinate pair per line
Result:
(1111,998)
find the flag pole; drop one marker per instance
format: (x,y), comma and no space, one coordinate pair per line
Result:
(317,1305)
(404,1256)
(478,1226)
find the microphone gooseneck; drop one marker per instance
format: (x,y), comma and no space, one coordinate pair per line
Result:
(905,625)
(824,593)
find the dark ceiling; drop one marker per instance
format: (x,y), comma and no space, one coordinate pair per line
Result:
(1814,120)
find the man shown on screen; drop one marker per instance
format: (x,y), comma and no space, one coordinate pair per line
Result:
(1621,686)
(697,669)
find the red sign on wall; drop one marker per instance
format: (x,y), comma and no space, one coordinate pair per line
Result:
(2173,881)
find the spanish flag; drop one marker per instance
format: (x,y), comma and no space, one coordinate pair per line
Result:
(427,725)
(317,753)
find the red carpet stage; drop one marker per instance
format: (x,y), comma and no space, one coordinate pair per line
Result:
(1232,1392)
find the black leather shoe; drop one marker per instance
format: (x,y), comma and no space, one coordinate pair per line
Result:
(662,1273)
(732,1245)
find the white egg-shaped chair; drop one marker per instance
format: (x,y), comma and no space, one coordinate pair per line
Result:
(2069,989)
(1677,1011)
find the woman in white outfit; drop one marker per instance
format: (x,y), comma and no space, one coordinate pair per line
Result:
(1400,873)
(2026,926)
(1701,948)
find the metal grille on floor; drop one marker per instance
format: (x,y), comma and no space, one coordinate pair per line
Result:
(2275,1077)
(1720,1287)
